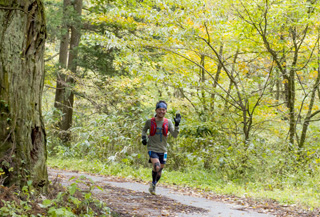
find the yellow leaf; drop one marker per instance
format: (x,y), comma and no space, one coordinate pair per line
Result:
(313,74)
(189,21)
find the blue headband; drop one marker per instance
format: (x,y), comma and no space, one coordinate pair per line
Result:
(161,105)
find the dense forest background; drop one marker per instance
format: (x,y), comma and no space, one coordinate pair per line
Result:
(243,74)
(79,78)
(245,77)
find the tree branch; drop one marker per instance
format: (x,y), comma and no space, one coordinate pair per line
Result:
(11,8)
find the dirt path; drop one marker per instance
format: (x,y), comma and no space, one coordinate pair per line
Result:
(133,199)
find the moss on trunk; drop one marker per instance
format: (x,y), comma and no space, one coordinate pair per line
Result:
(22,134)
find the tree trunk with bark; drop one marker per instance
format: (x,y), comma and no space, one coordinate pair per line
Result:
(23,151)
(64,91)
(72,66)
(63,60)
(202,76)
(216,79)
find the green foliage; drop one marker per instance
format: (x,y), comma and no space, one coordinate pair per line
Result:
(75,202)
(224,65)
(69,201)
(95,58)
(53,9)
(115,135)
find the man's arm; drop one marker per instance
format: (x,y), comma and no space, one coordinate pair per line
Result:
(174,130)
(145,128)
(144,133)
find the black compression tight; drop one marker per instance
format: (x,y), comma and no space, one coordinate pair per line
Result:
(156,176)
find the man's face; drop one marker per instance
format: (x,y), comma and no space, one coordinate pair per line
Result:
(161,112)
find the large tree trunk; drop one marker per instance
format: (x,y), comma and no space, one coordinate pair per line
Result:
(22,134)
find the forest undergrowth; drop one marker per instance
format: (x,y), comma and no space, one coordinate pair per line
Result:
(66,201)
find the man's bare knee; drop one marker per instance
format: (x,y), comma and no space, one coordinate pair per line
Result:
(157,166)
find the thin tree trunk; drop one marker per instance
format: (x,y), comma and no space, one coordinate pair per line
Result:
(216,79)
(309,114)
(312,99)
(23,151)
(72,66)
(68,98)
(231,83)
(63,57)
(292,89)
(202,80)
(278,86)
(291,103)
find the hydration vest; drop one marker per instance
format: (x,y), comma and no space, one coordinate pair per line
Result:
(153,127)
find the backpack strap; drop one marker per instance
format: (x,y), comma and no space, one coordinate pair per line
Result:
(153,127)
(165,127)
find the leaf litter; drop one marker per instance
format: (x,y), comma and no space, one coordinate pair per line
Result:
(125,202)
(129,203)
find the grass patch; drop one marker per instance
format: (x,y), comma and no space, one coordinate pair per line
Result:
(305,195)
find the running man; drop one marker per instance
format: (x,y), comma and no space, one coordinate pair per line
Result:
(159,127)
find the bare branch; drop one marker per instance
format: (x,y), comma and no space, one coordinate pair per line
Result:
(50,58)
(170,50)
(12,8)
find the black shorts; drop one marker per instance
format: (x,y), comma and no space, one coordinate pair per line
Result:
(161,156)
